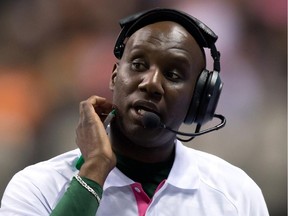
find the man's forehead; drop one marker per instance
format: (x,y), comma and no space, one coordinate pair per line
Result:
(163,32)
(165,26)
(167,37)
(162,35)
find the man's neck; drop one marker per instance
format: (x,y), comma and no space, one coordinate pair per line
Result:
(123,146)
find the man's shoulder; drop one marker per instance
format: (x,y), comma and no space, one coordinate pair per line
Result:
(221,175)
(62,164)
(43,182)
(59,168)
(210,169)
(217,180)
(211,165)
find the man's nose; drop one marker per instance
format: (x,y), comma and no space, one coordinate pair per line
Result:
(152,83)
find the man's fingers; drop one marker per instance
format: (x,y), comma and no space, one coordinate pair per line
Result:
(93,105)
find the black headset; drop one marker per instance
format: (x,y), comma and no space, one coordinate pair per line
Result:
(209,85)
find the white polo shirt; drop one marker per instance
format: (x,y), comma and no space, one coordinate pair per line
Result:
(198,184)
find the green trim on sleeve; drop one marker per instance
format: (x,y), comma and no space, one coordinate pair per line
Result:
(79,162)
(77,200)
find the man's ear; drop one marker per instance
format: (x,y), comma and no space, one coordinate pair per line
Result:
(113,76)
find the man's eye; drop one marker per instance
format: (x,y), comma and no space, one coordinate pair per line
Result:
(173,76)
(138,66)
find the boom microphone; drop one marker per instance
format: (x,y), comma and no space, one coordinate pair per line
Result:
(152,121)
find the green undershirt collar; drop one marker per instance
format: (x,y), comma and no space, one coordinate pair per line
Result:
(150,175)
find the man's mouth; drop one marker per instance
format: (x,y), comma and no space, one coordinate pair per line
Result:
(143,110)
(140,111)
(141,107)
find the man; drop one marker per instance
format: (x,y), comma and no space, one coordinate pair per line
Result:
(136,165)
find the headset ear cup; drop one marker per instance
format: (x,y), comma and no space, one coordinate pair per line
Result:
(209,99)
(196,98)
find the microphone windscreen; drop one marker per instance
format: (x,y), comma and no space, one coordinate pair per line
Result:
(151,121)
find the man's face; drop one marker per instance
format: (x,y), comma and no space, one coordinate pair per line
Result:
(157,73)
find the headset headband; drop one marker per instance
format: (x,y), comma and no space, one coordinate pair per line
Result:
(203,35)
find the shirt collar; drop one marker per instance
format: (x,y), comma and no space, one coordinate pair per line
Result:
(117,179)
(184,173)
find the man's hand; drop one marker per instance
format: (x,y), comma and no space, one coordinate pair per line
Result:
(93,141)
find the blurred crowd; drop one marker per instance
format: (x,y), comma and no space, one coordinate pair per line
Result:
(55,53)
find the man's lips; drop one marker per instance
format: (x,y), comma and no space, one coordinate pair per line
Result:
(143,106)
